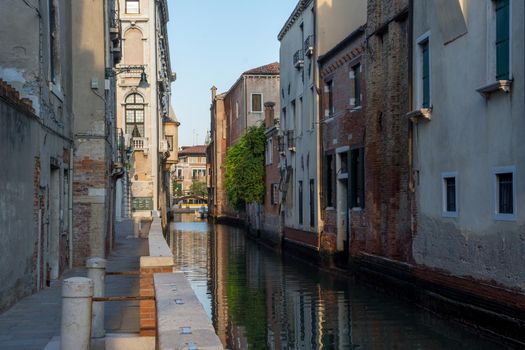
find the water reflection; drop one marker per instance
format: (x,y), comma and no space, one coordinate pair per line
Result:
(258,301)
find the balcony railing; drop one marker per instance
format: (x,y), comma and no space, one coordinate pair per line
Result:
(309,46)
(298,59)
(139,143)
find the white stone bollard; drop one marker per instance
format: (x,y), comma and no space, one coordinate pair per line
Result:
(75,332)
(97,273)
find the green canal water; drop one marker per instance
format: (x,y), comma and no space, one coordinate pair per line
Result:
(258,300)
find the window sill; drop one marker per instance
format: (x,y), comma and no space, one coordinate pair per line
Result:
(487,90)
(354,108)
(504,217)
(357,209)
(423,114)
(450,214)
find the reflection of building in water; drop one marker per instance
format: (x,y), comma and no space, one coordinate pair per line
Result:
(219,259)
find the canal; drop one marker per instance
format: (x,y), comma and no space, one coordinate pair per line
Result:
(257,300)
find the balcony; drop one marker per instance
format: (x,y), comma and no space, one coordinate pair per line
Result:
(140,144)
(298,59)
(309,46)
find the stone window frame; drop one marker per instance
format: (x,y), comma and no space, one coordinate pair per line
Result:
(251,102)
(423,38)
(143,103)
(444,212)
(126,7)
(504,216)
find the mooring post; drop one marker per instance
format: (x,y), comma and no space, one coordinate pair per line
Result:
(97,273)
(75,331)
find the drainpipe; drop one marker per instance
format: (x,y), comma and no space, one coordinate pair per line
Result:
(70,207)
(320,223)
(411,183)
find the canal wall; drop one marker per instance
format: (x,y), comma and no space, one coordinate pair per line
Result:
(173,315)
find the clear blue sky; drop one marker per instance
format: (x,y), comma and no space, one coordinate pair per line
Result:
(211,43)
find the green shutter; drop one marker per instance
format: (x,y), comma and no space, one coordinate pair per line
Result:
(502,39)
(426,74)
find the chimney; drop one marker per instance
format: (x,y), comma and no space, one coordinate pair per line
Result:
(213,92)
(269,115)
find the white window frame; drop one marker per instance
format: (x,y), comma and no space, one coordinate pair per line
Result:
(419,71)
(503,170)
(444,212)
(262,102)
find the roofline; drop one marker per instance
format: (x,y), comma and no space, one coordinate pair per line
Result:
(340,46)
(301,6)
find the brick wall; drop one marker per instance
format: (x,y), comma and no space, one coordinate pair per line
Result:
(387,130)
(147,308)
(346,127)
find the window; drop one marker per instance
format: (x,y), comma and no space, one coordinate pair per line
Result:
(170,142)
(329,180)
(284,118)
(132,6)
(505,193)
(299,114)
(450,194)
(356,76)
(275,194)
(312,203)
(311,108)
(133,47)
(502,39)
(294,116)
(236,109)
(269,151)
(300,191)
(329,90)
(357,178)
(257,103)
(135,115)
(425,73)
(54,41)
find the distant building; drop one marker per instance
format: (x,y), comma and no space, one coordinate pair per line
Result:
(271,229)
(142,107)
(232,113)
(191,168)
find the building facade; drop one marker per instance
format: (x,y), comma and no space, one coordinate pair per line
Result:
(57,117)
(37,145)
(342,128)
(232,113)
(190,169)
(143,105)
(97,162)
(468,107)
(298,123)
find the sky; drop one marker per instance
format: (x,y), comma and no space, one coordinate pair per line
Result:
(212,43)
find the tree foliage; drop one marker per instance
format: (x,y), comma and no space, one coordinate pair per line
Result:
(244,169)
(198,189)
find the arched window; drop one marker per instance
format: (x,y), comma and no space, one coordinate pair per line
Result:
(135,115)
(133,47)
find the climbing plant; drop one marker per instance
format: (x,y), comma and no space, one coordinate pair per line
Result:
(244,169)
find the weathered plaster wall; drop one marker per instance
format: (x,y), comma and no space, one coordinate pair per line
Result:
(297,84)
(470,135)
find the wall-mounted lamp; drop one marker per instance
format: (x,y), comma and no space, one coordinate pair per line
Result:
(113,72)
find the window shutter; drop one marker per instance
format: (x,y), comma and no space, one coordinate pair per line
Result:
(502,39)
(426,75)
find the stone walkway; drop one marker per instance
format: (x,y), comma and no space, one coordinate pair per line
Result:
(32,322)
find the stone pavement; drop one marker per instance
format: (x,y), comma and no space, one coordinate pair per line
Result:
(32,322)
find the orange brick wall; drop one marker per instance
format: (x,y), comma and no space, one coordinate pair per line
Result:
(148,313)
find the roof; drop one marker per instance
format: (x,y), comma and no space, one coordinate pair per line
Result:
(172,117)
(268,69)
(301,6)
(190,150)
